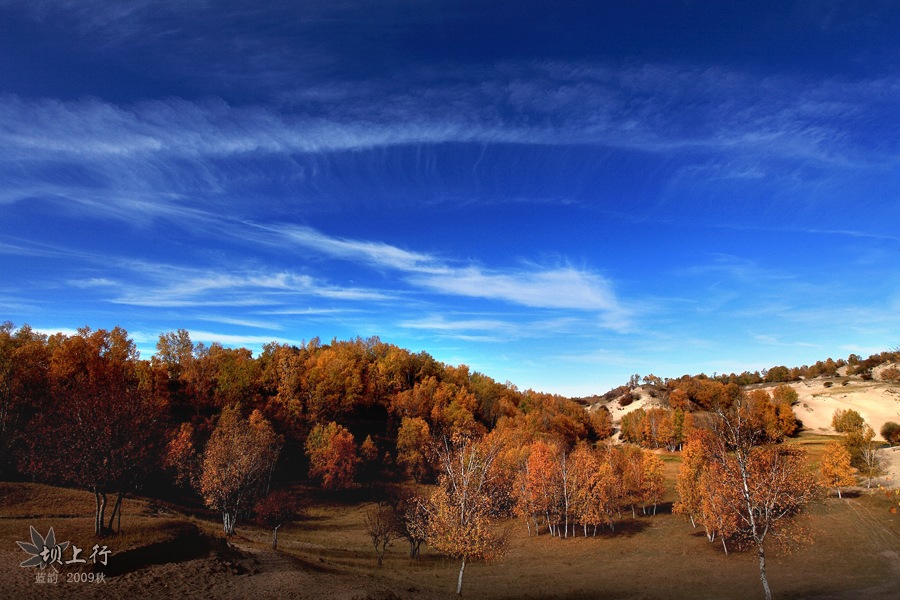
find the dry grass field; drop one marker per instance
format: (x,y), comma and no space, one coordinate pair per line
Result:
(853,551)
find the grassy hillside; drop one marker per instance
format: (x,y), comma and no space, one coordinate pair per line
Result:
(853,551)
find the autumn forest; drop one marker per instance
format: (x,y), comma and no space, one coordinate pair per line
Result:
(448,458)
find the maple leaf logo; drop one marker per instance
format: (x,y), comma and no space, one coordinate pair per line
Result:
(43,550)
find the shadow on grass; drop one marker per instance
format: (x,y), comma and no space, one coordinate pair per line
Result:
(625,528)
(188,544)
(849,494)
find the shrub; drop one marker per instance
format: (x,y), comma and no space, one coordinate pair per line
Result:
(890,431)
(891,374)
(847,421)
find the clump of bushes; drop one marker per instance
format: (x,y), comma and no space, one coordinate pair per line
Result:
(890,431)
(891,374)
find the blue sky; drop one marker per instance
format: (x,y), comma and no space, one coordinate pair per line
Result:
(558,194)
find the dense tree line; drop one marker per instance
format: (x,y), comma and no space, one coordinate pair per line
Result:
(112,422)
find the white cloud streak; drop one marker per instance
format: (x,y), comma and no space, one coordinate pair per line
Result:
(170,286)
(536,287)
(685,109)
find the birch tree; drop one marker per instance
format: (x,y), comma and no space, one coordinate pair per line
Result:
(773,482)
(237,463)
(459,523)
(836,470)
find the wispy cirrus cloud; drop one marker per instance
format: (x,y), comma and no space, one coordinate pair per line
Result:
(529,285)
(563,288)
(555,104)
(498,327)
(482,329)
(165,285)
(238,340)
(534,286)
(241,322)
(374,253)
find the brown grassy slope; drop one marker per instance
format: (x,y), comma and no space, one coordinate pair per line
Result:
(854,552)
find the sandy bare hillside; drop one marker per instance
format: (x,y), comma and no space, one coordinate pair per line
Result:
(643,400)
(877,402)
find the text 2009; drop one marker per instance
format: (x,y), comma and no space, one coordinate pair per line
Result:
(85,578)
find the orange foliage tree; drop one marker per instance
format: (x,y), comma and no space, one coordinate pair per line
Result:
(238,463)
(629,466)
(414,448)
(459,522)
(718,500)
(653,488)
(24,361)
(332,456)
(695,457)
(767,484)
(181,456)
(99,429)
(608,489)
(836,470)
(587,488)
(542,486)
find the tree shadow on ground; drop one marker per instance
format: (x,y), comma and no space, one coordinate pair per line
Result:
(188,544)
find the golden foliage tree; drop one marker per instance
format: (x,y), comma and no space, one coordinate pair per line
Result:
(632,426)
(584,468)
(542,484)
(629,466)
(238,463)
(695,457)
(765,485)
(608,490)
(414,447)
(863,447)
(847,421)
(836,470)
(653,486)
(719,500)
(368,450)
(332,456)
(459,523)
